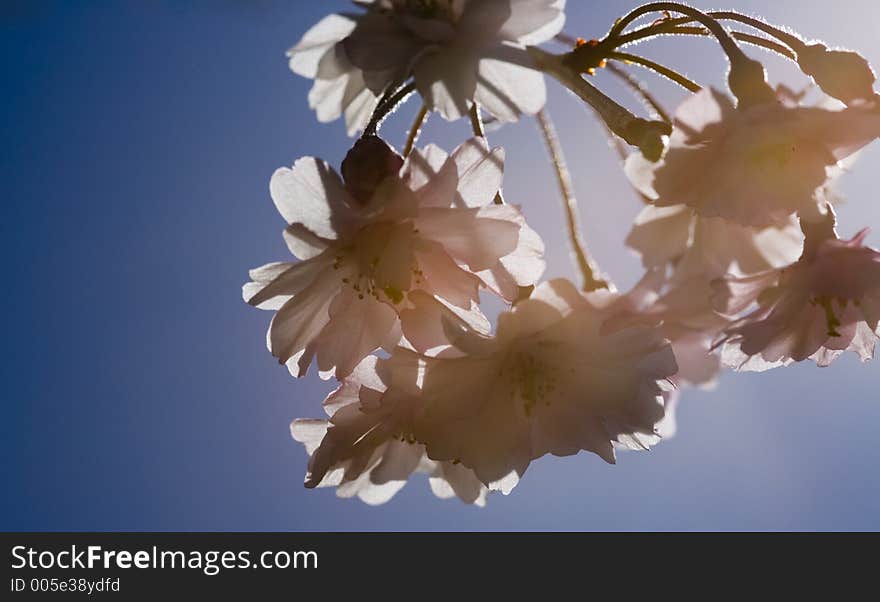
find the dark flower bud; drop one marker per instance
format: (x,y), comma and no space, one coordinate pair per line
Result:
(366,165)
(748,82)
(842,74)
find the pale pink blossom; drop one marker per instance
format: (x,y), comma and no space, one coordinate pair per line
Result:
(755,166)
(547,383)
(339,87)
(457,53)
(680,309)
(379,266)
(363,449)
(710,246)
(826,303)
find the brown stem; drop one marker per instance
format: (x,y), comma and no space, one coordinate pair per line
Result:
(415,130)
(476,121)
(587,267)
(639,89)
(666,72)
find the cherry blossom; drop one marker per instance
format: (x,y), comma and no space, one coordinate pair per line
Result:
(738,242)
(457,53)
(547,383)
(755,166)
(826,303)
(362,451)
(389,261)
(683,253)
(680,309)
(710,246)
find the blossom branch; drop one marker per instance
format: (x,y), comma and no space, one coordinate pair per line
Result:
(638,88)
(746,78)
(605,49)
(614,141)
(588,268)
(644,134)
(842,74)
(730,48)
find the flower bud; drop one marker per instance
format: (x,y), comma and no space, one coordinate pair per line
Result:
(845,75)
(366,165)
(748,82)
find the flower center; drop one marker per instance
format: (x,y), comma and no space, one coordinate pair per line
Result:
(831,319)
(774,155)
(381,263)
(531,379)
(406,436)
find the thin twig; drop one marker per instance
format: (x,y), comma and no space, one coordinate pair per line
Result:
(666,72)
(415,130)
(672,28)
(791,40)
(476,121)
(679,27)
(765,44)
(734,53)
(386,106)
(646,135)
(639,90)
(587,267)
(746,78)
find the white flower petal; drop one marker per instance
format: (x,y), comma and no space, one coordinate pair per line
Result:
(303,243)
(399,460)
(474,237)
(380,44)
(447,81)
(661,234)
(534,22)
(480,170)
(356,327)
(311,194)
(309,432)
(445,278)
(508,86)
(301,318)
(274,283)
(317,41)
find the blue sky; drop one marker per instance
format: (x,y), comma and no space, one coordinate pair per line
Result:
(139,140)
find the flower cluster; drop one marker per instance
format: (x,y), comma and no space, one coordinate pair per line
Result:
(744,268)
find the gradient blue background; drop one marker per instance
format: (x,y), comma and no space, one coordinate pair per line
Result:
(137,143)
